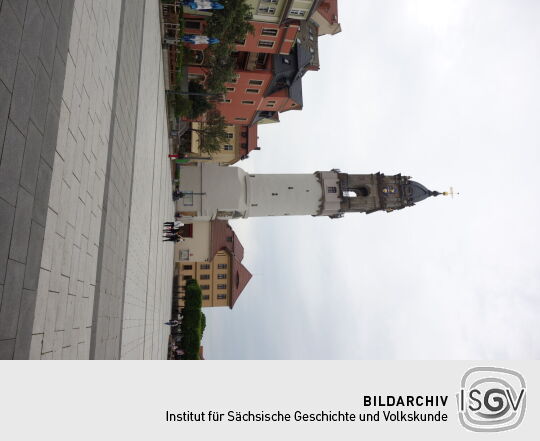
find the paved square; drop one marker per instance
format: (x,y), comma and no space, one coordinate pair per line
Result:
(84,181)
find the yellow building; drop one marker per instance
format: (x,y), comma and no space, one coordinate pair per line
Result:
(241,141)
(223,277)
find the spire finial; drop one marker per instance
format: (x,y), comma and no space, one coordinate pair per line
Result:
(450,193)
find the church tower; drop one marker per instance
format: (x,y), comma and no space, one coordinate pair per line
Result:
(210,191)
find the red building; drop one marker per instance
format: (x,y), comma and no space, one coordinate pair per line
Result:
(270,63)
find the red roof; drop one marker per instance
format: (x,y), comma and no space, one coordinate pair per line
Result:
(224,238)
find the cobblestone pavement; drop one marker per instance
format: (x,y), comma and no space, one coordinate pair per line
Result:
(79,246)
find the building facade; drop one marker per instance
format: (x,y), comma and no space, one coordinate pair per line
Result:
(241,141)
(221,276)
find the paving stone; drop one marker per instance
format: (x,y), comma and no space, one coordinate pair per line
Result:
(11,300)
(50,226)
(33,260)
(47,49)
(19,7)
(10,167)
(64,27)
(21,226)
(31,36)
(24,328)
(41,197)
(62,304)
(40,99)
(32,154)
(36,346)
(42,296)
(50,321)
(55,6)
(5,101)
(50,136)
(7,347)
(7,213)
(10,39)
(21,100)
(57,80)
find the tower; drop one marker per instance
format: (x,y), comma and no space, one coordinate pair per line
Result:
(215,192)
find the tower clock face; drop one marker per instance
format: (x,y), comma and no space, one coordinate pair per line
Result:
(389,189)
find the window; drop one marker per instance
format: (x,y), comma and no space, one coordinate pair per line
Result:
(286,60)
(260,62)
(267,10)
(184,254)
(274,194)
(256,82)
(222,276)
(224,100)
(240,119)
(192,24)
(244,145)
(222,266)
(206,297)
(222,296)
(248,102)
(230,89)
(332,189)
(205,276)
(227,147)
(233,81)
(266,43)
(241,42)
(297,12)
(290,188)
(187,267)
(205,286)
(254,205)
(252,90)
(229,239)
(205,266)
(269,32)
(230,135)
(187,278)
(271,103)
(222,286)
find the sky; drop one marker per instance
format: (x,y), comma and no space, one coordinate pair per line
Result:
(446,92)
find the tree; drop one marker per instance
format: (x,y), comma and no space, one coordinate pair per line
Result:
(212,133)
(199,103)
(230,25)
(193,321)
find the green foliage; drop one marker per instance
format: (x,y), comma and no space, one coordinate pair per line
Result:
(191,106)
(199,103)
(193,321)
(213,133)
(230,25)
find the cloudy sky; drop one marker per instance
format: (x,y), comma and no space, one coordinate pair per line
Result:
(444,91)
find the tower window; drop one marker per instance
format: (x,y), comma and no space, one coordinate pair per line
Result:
(206,297)
(205,266)
(222,296)
(187,267)
(222,286)
(205,286)
(205,276)
(222,276)
(332,189)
